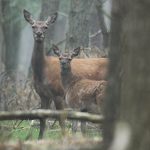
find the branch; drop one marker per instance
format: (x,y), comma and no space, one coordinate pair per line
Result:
(42,114)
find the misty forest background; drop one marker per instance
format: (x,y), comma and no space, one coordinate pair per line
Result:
(83,23)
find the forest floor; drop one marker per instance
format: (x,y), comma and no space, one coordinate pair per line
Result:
(29,130)
(18,135)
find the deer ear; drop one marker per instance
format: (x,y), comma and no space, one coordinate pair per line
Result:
(56,50)
(28,17)
(75,52)
(51,19)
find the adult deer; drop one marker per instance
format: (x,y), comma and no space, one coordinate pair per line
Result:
(80,94)
(40,62)
(46,69)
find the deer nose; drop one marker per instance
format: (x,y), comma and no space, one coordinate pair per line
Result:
(63,62)
(39,33)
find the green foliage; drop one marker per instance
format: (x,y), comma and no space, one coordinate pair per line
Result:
(22,130)
(17,130)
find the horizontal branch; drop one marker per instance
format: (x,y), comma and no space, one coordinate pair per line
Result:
(41,114)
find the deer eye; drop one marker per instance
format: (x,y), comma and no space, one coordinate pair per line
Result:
(45,27)
(69,58)
(33,27)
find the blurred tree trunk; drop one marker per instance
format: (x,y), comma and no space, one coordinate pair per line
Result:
(2,41)
(48,8)
(95,37)
(99,7)
(11,28)
(127,107)
(2,49)
(78,34)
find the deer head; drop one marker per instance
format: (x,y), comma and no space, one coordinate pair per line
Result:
(39,27)
(65,58)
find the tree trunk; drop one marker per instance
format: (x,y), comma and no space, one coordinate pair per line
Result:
(112,102)
(11,28)
(78,34)
(127,105)
(95,36)
(2,42)
(102,23)
(48,8)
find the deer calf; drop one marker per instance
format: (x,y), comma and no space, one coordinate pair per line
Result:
(81,94)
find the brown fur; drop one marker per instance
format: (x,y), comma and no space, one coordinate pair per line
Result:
(87,95)
(83,94)
(91,68)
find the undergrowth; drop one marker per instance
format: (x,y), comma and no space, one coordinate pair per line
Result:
(25,130)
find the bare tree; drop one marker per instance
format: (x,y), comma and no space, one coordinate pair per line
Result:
(49,7)
(127,105)
(78,34)
(2,41)
(102,23)
(11,28)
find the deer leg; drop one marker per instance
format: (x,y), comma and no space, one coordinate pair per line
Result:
(83,124)
(59,104)
(42,128)
(74,126)
(45,103)
(83,127)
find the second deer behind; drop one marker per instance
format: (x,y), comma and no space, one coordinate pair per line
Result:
(81,94)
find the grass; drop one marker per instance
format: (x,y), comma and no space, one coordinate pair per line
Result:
(22,130)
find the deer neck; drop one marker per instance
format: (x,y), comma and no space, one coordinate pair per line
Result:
(68,78)
(38,60)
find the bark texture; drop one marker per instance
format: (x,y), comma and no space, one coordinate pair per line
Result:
(49,7)
(2,41)
(11,29)
(129,81)
(78,34)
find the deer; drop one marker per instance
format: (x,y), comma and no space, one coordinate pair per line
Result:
(46,69)
(40,64)
(81,94)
